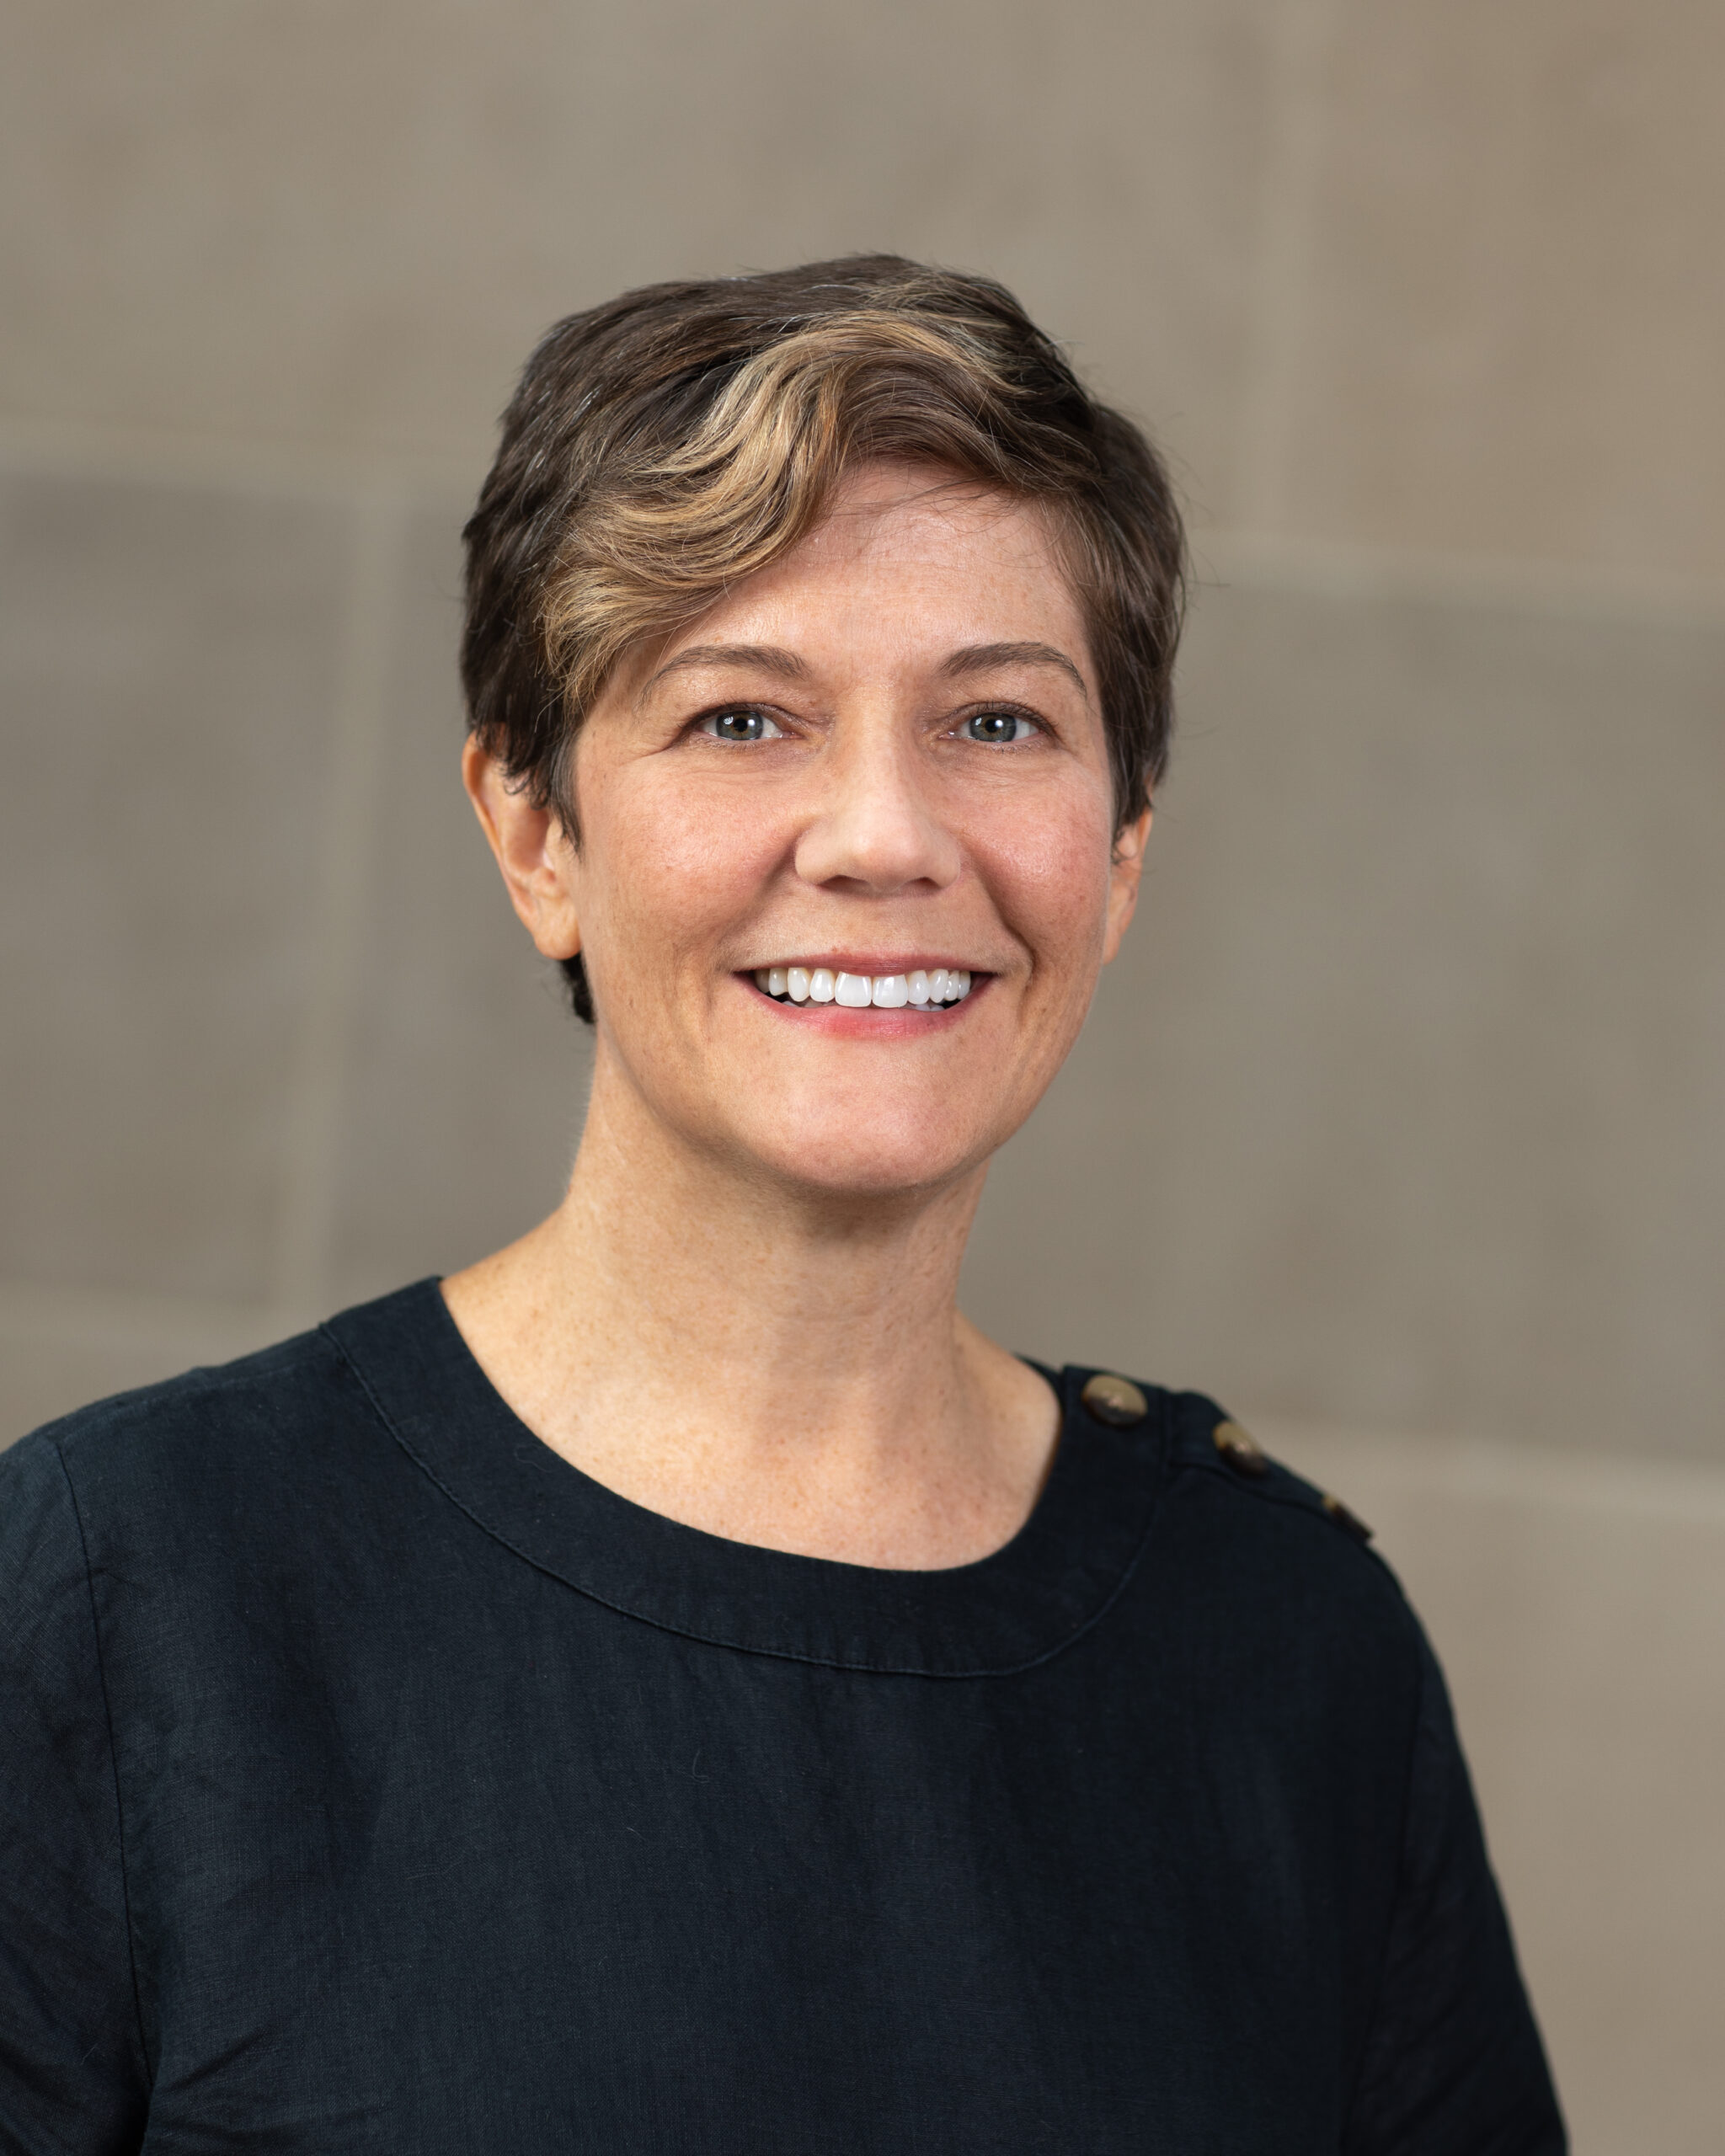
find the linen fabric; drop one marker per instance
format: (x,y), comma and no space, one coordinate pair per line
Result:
(373,1781)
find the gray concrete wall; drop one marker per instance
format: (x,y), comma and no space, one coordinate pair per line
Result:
(1401,1122)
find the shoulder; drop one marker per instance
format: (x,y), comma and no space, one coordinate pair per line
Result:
(129,1500)
(1199,1436)
(185,1424)
(1252,1544)
(202,1452)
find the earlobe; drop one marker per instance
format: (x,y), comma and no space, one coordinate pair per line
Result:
(532,853)
(1123,876)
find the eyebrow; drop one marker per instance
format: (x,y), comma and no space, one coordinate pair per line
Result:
(764,658)
(770,658)
(985,658)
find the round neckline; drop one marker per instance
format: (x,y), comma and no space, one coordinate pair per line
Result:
(998,1614)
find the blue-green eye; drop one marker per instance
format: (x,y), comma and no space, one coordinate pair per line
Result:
(999,728)
(742,724)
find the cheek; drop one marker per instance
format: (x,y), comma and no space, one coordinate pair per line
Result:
(1050,870)
(671,872)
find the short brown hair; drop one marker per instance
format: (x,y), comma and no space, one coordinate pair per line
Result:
(663,445)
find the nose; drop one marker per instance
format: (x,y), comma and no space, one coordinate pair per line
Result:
(876,829)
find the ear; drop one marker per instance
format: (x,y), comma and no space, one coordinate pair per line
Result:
(533,850)
(1125,872)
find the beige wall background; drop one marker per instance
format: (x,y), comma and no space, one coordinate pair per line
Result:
(1401,1125)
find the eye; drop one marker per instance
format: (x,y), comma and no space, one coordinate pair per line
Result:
(740,723)
(1000,729)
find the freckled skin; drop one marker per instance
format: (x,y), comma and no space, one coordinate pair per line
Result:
(830,1160)
(868,827)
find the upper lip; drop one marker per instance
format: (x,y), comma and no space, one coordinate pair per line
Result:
(870,963)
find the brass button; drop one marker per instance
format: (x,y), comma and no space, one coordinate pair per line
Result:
(1351,1521)
(1114,1400)
(1240,1449)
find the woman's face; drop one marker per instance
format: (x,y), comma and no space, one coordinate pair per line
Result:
(882,757)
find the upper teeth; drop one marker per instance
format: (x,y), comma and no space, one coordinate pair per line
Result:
(885,991)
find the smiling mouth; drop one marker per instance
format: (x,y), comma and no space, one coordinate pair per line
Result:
(922,990)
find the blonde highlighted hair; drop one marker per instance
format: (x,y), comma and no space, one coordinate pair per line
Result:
(661,447)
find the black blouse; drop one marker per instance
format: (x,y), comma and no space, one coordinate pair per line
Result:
(370,1779)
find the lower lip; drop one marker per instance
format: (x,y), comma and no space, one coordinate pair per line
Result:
(906,1023)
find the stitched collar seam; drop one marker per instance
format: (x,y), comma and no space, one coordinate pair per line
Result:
(718,1639)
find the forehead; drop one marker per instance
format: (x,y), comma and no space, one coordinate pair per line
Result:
(913,558)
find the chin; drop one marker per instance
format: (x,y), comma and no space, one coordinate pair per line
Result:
(867,1164)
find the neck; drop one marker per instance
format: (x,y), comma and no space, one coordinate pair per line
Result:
(783,1366)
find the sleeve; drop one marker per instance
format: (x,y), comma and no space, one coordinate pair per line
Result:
(1453,2063)
(73,2074)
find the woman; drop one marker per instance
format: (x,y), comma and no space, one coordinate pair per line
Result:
(676,1685)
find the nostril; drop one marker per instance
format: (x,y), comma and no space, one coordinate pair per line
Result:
(879,847)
